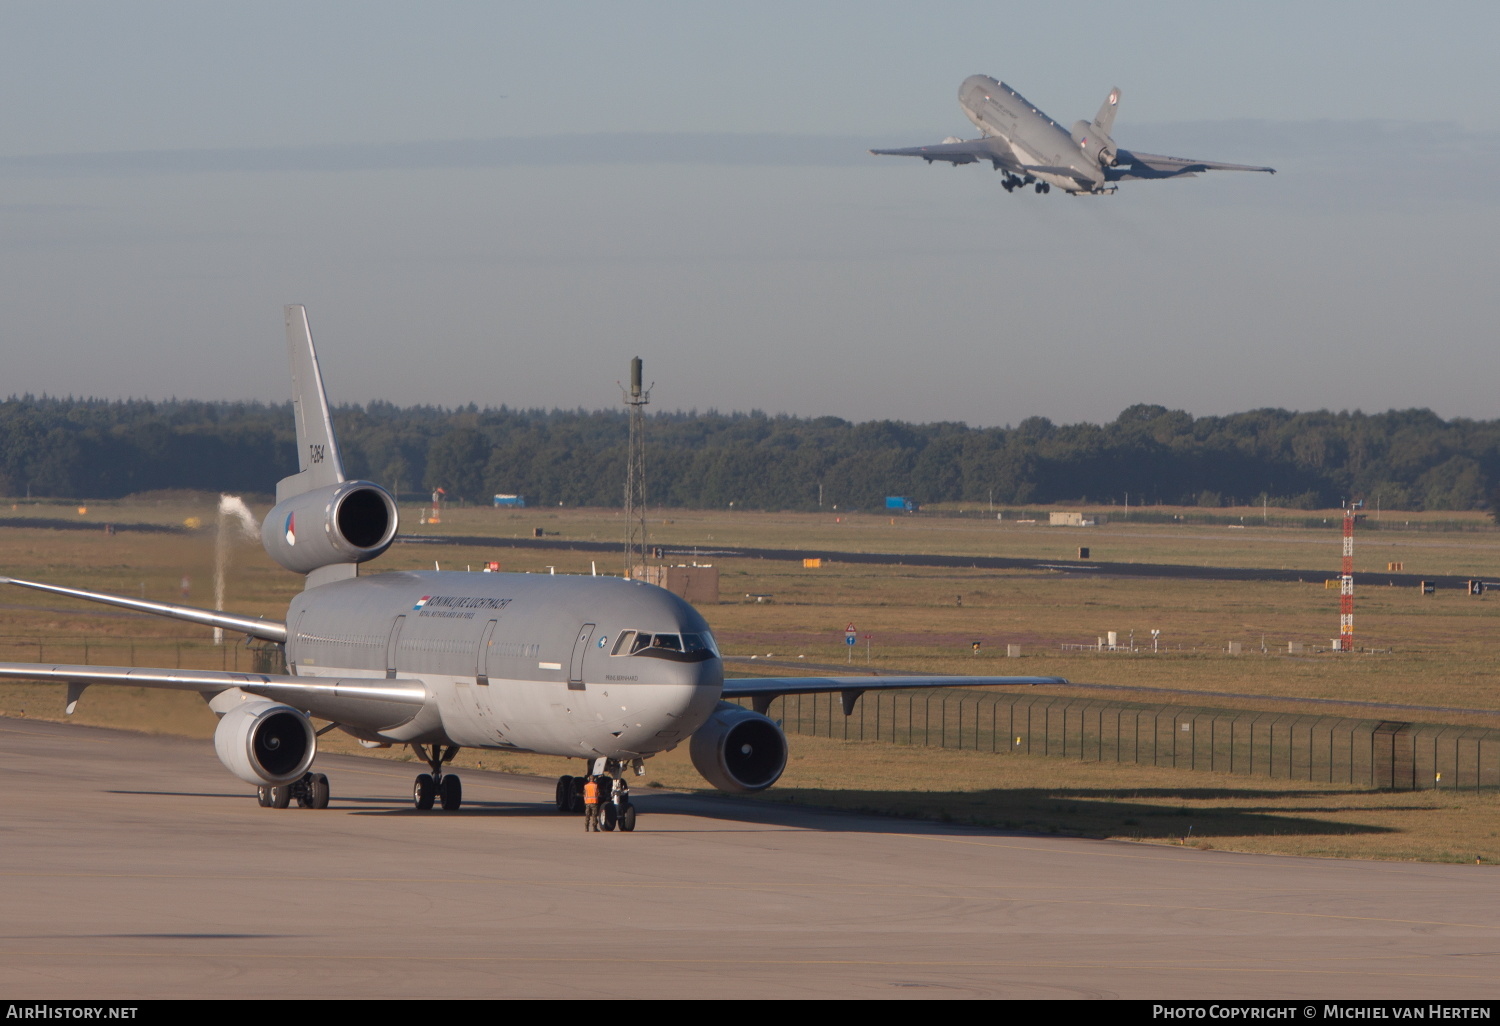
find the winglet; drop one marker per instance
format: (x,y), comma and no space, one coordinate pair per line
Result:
(317,449)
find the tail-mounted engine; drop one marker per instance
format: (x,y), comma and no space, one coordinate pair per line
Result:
(1095,143)
(265,742)
(739,751)
(348,522)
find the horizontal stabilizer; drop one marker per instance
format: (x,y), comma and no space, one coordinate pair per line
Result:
(1134,164)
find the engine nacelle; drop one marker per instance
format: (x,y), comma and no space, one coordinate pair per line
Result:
(739,751)
(1096,144)
(265,742)
(348,522)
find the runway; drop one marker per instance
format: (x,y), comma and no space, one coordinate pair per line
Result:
(136,867)
(1098,568)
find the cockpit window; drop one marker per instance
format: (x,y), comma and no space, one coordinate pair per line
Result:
(656,642)
(699,645)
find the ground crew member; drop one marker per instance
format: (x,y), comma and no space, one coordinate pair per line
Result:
(591,805)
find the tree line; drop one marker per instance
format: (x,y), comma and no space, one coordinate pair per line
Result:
(1402,459)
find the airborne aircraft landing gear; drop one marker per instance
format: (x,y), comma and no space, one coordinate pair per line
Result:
(437,787)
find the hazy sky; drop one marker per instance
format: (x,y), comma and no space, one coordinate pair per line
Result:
(504,202)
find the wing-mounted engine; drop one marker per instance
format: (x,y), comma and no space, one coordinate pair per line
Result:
(348,522)
(265,742)
(739,751)
(1098,145)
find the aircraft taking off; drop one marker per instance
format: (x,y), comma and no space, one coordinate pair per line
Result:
(604,669)
(1031,148)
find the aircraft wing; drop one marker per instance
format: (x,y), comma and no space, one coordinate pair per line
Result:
(763,690)
(968,152)
(374,702)
(268,630)
(1134,164)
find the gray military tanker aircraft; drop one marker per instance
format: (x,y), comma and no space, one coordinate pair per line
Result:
(608,670)
(1032,149)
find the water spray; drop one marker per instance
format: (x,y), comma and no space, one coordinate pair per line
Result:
(231,507)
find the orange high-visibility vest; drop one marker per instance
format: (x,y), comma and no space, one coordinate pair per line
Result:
(591,793)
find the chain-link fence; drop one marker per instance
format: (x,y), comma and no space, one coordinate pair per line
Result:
(196,653)
(1364,752)
(1369,753)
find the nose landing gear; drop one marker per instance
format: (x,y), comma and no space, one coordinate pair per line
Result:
(616,810)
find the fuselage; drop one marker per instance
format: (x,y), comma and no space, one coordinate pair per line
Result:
(561,665)
(1033,138)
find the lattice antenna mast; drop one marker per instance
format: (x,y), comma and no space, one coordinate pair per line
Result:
(1346,582)
(637,399)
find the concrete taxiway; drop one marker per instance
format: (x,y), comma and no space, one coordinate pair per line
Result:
(136,867)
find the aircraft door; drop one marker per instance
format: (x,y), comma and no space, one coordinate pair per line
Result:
(480,723)
(390,646)
(482,657)
(580,649)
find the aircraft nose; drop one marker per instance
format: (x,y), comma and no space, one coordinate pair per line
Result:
(974,82)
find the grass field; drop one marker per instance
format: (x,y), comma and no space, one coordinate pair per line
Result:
(1436,651)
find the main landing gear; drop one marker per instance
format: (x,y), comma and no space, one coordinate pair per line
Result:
(437,787)
(615,810)
(1012,183)
(311,792)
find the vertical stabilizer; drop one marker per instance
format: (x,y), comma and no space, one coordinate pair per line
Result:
(318,460)
(1104,121)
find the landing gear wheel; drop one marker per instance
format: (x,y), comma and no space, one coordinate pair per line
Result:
(263,796)
(453,792)
(608,817)
(424,791)
(281,796)
(564,793)
(627,818)
(575,795)
(319,789)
